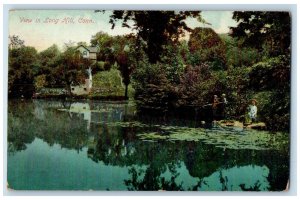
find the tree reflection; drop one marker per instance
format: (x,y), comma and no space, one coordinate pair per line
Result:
(27,121)
(152,179)
(19,128)
(117,145)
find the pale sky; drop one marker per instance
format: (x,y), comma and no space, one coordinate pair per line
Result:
(52,30)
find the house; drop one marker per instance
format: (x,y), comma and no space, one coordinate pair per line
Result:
(89,53)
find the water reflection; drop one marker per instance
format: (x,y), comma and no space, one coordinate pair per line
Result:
(107,134)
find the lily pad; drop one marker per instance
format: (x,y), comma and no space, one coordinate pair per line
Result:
(222,138)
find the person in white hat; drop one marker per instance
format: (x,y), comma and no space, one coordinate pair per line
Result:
(252,110)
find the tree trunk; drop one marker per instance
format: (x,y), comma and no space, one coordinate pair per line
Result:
(126,92)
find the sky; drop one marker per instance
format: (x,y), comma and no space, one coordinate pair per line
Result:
(43,28)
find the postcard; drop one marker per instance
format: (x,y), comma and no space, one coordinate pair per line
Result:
(149,100)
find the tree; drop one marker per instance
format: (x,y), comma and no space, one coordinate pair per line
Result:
(155,28)
(50,59)
(238,55)
(22,67)
(119,49)
(259,29)
(124,55)
(15,42)
(73,67)
(269,80)
(105,44)
(205,45)
(82,43)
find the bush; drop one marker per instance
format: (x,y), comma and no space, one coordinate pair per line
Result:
(152,88)
(272,78)
(108,83)
(40,82)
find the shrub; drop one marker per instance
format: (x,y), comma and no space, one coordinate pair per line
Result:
(108,83)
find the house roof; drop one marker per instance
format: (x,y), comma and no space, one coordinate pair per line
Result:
(90,49)
(93,49)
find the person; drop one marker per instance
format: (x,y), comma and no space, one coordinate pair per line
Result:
(224,103)
(224,100)
(252,111)
(215,107)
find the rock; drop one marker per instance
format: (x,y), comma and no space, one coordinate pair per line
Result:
(258,125)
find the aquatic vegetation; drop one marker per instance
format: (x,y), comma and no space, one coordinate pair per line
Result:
(222,138)
(127,124)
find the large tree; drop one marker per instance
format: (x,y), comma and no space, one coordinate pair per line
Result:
(50,59)
(205,45)
(259,29)
(155,28)
(73,67)
(22,67)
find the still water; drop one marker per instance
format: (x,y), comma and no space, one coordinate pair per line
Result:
(102,145)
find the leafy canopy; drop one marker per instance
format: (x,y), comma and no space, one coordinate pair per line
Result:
(259,29)
(155,28)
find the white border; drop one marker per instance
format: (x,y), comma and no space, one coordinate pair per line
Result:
(44,5)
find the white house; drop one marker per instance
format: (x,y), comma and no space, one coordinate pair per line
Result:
(88,52)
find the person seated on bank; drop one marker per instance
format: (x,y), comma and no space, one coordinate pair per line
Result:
(252,111)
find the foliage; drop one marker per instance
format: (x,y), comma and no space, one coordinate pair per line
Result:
(40,82)
(105,44)
(272,73)
(195,85)
(272,78)
(155,28)
(118,49)
(73,67)
(50,60)
(15,42)
(229,138)
(258,28)
(238,55)
(108,83)
(164,72)
(206,46)
(173,61)
(152,90)
(22,67)
(270,34)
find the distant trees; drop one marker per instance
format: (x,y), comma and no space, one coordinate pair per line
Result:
(15,42)
(30,70)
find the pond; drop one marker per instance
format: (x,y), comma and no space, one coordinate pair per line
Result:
(106,145)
